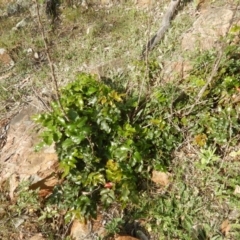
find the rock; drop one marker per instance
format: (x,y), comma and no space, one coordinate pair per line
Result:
(207,29)
(13,183)
(125,238)
(23,23)
(19,159)
(18,221)
(80,231)
(161,178)
(237,190)
(98,226)
(13,8)
(145,3)
(24,4)
(225,227)
(176,69)
(37,237)
(18,6)
(84,4)
(33,10)
(5,60)
(45,181)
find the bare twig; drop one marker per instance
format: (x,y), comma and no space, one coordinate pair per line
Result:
(146,72)
(43,102)
(68,227)
(50,63)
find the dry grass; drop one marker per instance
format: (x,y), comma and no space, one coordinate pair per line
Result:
(93,40)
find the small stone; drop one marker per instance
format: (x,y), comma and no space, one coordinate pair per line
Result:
(207,29)
(79,230)
(237,190)
(125,238)
(37,237)
(21,24)
(13,9)
(161,178)
(36,55)
(5,59)
(18,222)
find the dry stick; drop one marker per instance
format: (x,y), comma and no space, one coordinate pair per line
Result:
(50,63)
(146,72)
(43,102)
(146,75)
(68,227)
(164,27)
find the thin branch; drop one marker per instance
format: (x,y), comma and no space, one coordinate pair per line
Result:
(43,102)
(50,63)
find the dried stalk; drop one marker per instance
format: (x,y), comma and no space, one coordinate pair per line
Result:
(50,63)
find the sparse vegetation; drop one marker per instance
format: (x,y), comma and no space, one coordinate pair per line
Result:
(111,134)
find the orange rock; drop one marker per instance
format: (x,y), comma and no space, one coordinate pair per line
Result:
(19,160)
(125,238)
(161,178)
(37,237)
(207,29)
(5,59)
(145,3)
(79,230)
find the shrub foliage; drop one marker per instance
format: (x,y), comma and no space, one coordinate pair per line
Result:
(107,142)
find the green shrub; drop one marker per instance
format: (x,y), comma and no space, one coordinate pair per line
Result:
(107,142)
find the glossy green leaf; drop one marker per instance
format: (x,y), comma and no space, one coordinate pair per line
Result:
(48,138)
(104,126)
(67,143)
(107,196)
